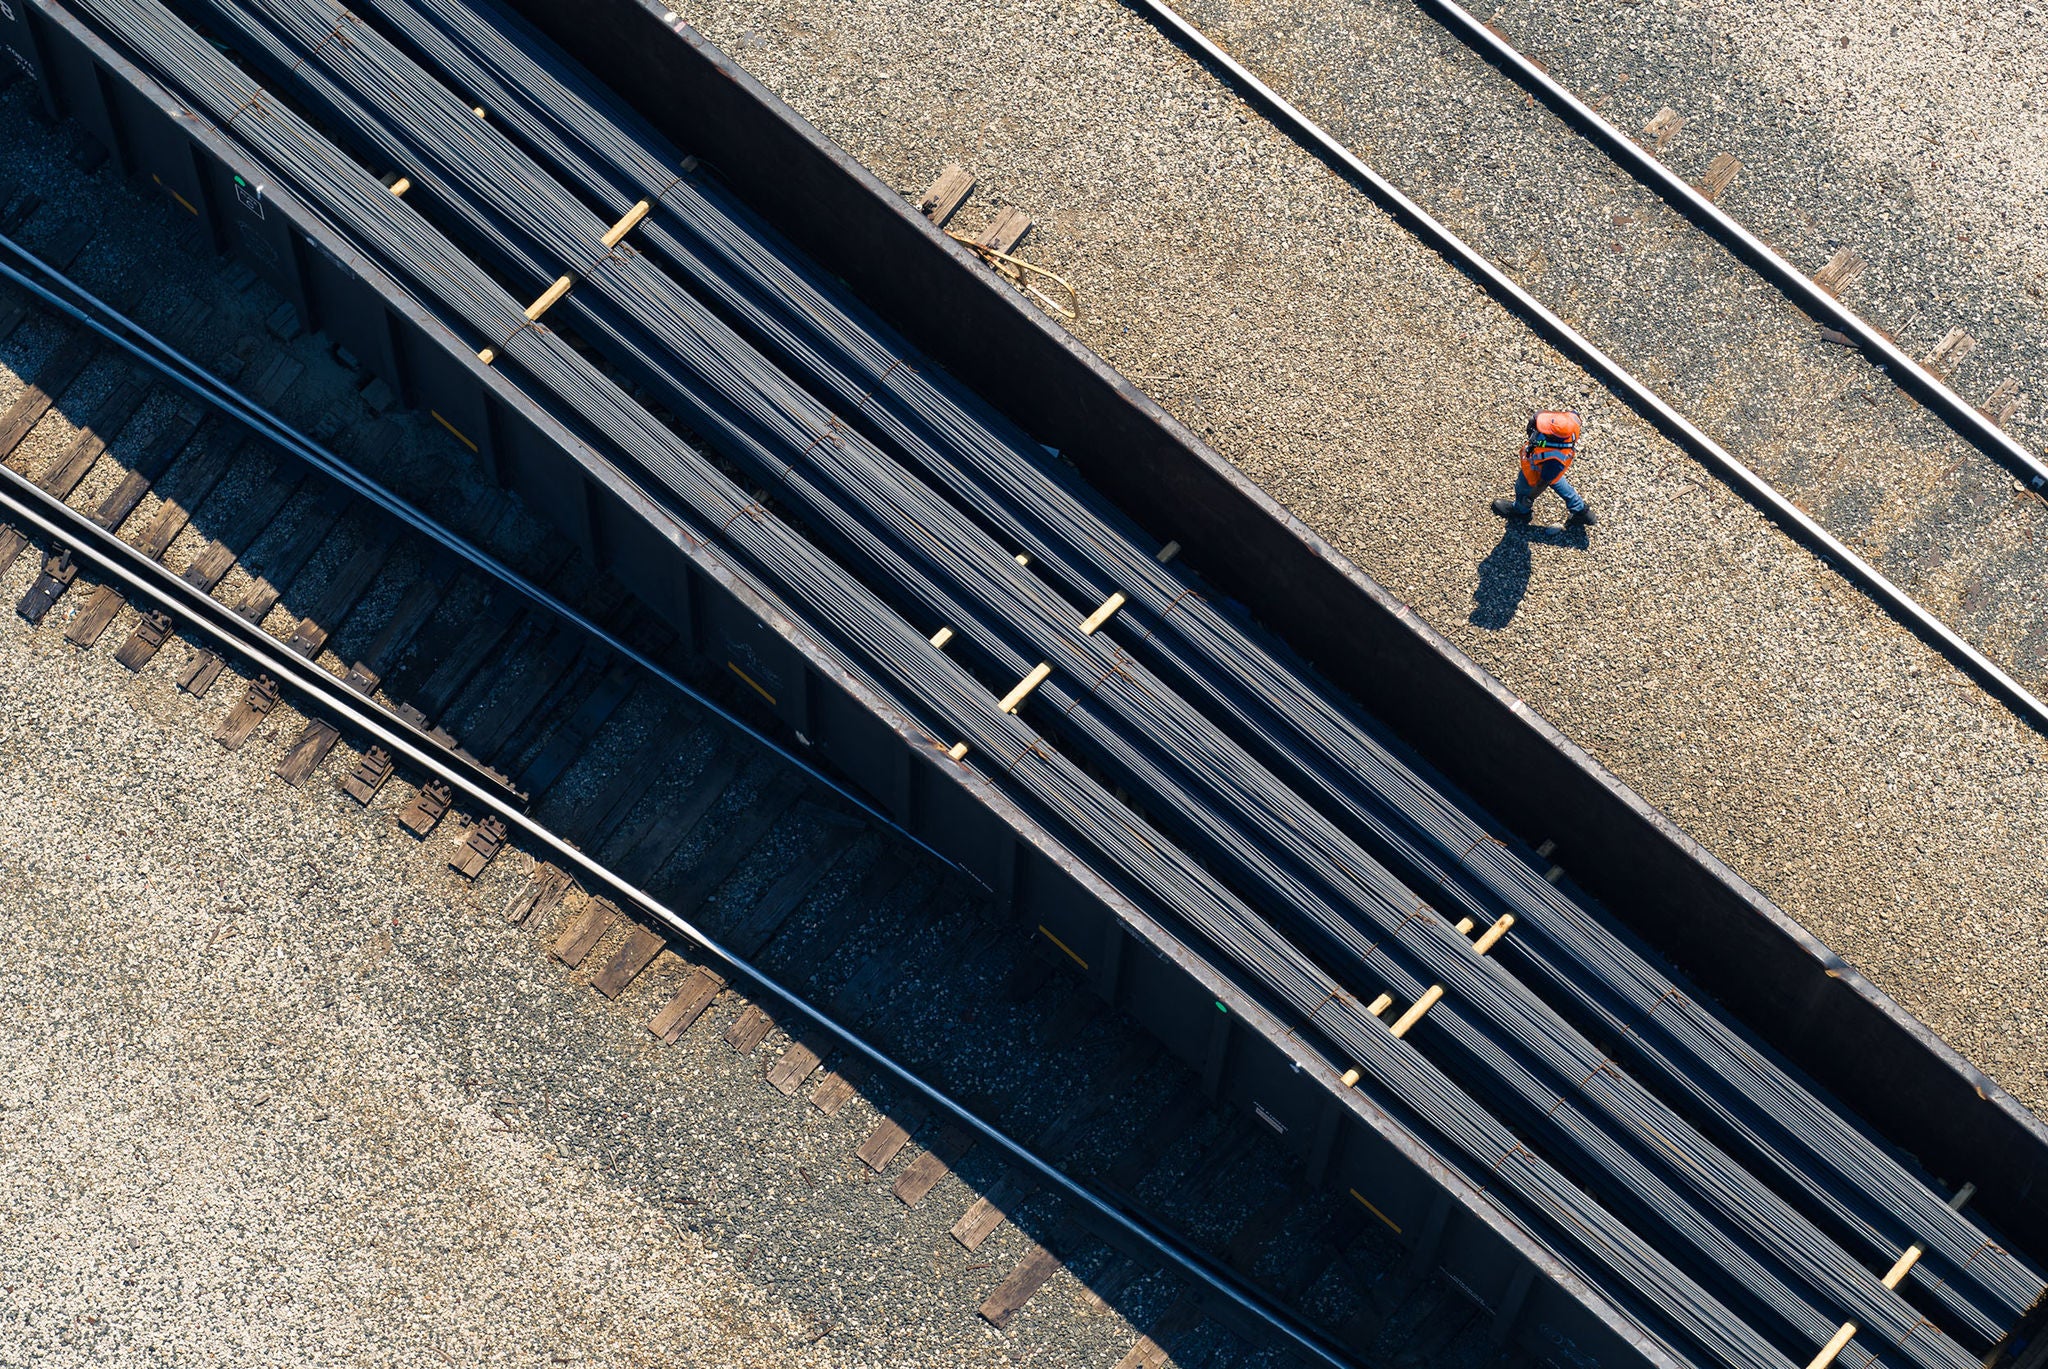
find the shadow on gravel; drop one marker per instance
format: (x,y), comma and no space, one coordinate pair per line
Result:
(1504,573)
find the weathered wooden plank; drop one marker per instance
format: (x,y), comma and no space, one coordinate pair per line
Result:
(113,413)
(283,567)
(331,606)
(924,1172)
(428,806)
(988,1212)
(1155,1347)
(750,1029)
(790,889)
(201,669)
(539,895)
(101,606)
(585,932)
(217,557)
(735,843)
(1841,268)
(58,370)
(1663,127)
(888,1138)
(484,841)
(305,755)
(691,998)
(249,711)
(1031,1274)
(639,951)
(651,840)
(1006,230)
(1720,174)
(128,491)
(368,776)
(566,742)
(947,194)
(839,1084)
(60,570)
(12,543)
(799,1062)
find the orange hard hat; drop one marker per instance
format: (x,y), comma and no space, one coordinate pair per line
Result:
(1561,424)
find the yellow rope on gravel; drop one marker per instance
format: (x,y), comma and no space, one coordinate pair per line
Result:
(1012,269)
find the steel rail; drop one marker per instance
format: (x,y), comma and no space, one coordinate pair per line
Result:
(143,575)
(1908,374)
(1676,425)
(173,365)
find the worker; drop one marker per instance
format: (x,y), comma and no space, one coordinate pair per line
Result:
(1553,441)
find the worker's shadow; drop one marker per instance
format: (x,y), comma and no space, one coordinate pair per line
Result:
(1504,574)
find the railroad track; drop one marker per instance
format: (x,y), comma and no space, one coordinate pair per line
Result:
(1589,232)
(481,707)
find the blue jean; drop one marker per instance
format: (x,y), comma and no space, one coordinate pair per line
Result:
(1525,494)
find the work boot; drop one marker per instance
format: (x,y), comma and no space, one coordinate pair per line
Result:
(1584,518)
(1506,509)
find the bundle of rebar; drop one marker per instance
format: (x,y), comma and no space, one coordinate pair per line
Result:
(929,504)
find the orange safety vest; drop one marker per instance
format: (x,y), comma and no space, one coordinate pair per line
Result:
(1553,442)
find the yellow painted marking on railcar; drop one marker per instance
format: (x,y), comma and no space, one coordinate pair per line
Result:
(750,680)
(459,436)
(175,195)
(1062,945)
(1376,1212)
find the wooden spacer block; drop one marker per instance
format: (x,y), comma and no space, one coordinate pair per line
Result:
(1465,926)
(1380,1004)
(1416,1009)
(399,186)
(625,224)
(941,637)
(1103,614)
(959,751)
(1165,554)
(1492,935)
(1014,700)
(1350,1078)
(548,297)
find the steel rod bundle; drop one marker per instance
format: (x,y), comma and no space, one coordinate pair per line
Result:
(937,562)
(468,165)
(1288,719)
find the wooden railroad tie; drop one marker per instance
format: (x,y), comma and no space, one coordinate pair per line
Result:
(484,841)
(1948,353)
(691,998)
(60,569)
(363,782)
(636,955)
(1892,1279)
(582,935)
(248,713)
(2004,401)
(1663,127)
(87,626)
(427,807)
(923,1173)
(1841,268)
(1719,175)
(305,754)
(201,669)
